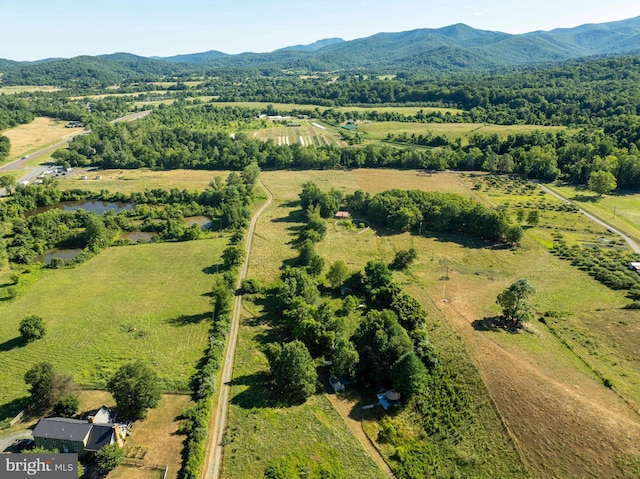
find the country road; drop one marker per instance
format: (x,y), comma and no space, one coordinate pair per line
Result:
(218,423)
(632,244)
(36,171)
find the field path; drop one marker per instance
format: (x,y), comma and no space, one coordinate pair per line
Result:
(350,414)
(218,422)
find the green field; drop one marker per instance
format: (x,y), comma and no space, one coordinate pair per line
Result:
(378,131)
(9,90)
(124,304)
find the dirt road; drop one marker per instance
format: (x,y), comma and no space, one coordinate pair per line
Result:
(632,244)
(218,423)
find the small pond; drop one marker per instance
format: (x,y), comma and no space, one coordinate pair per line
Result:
(64,254)
(97,207)
(204,221)
(136,236)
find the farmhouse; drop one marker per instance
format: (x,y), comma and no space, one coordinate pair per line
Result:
(73,435)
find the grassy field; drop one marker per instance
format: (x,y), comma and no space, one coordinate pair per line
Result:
(124,304)
(9,90)
(38,134)
(406,110)
(129,181)
(378,131)
(550,367)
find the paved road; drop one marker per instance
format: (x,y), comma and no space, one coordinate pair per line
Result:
(36,171)
(632,244)
(218,422)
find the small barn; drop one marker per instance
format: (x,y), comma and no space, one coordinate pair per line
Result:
(635,266)
(342,215)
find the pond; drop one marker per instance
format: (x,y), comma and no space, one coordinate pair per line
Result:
(97,207)
(137,236)
(204,221)
(64,254)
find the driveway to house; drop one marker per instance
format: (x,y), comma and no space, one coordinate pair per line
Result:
(218,423)
(7,441)
(632,244)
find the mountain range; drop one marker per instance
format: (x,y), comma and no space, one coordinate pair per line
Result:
(452,48)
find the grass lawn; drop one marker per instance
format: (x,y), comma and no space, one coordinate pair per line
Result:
(135,302)
(38,134)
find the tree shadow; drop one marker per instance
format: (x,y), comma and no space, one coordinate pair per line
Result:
(586,198)
(187,319)
(257,394)
(14,343)
(10,409)
(294,216)
(213,269)
(493,323)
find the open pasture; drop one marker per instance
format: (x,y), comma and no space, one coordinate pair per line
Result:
(129,181)
(121,305)
(378,131)
(38,134)
(285,107)
(10,90)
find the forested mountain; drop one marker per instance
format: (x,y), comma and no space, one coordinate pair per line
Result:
(449,49)
(315,46)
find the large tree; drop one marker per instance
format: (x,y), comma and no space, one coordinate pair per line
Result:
(135,387)
(338,273)
(601,182)
(513,300)
(293,371)
(46,386)
(32,328)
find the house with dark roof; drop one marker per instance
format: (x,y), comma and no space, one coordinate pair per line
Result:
(73,435)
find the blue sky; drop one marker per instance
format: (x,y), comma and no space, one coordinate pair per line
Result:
(37,29)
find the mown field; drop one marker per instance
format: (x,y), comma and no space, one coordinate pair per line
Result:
(9,90)
(549,395)
(123,304)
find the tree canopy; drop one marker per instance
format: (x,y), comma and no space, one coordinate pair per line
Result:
(135,388)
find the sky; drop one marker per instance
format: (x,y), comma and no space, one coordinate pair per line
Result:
(39,29)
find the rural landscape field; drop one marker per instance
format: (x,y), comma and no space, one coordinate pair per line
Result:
(410,255)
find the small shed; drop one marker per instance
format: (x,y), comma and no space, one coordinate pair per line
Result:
(342,215)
